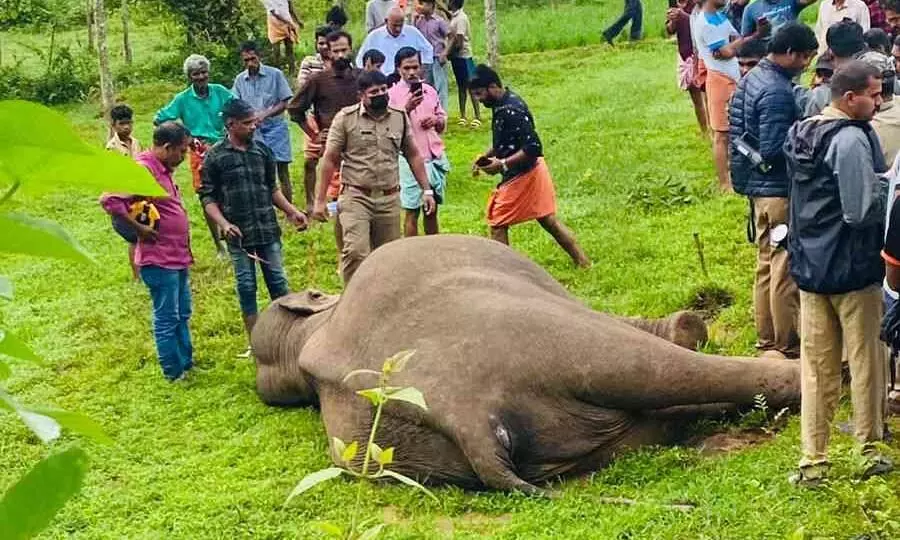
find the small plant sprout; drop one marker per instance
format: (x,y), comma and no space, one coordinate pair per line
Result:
(375,459)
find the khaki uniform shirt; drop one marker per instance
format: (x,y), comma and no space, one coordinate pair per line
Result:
(887,125)
(369,148)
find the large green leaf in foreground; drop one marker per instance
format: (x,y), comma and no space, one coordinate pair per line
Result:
(31,503)
(43,152)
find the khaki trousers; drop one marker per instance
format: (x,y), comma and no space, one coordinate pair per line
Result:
(776,302)
(828,324)
(368,221)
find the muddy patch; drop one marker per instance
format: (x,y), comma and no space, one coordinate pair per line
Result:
(722,443)
(709,301)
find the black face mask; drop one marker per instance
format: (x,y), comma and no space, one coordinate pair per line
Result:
(342,64)
(379,103)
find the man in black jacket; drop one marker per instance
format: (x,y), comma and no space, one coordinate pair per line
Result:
(837,213)
(762,110)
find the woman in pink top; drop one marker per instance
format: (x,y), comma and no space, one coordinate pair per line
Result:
(164,253)
(427,121)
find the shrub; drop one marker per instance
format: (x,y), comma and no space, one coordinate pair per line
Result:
(69,77)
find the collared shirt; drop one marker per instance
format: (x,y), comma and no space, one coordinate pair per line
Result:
(131,148)
(887,125)
(830,13)
(202,116)
(513,129)
(172,248)
(712,32)
(381,40)
(370,147)
(428,141)
(459,26)
(268,88)
(309,67)
(327,92)
(435,30)
(376,13)
(242,182)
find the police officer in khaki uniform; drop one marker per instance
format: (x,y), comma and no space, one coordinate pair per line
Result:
(365,142)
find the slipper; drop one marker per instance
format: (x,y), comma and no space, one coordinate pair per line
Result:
(463,122)
(476,123)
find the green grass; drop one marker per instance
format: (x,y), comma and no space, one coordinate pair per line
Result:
(208,460)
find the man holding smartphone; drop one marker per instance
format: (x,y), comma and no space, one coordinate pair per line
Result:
(427,121)
(525,191)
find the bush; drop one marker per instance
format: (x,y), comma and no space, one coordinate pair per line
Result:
(41,13)
(69,77)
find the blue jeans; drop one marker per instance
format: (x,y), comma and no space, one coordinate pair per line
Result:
(634,12)
(171,294)
(438,78)
(245,273)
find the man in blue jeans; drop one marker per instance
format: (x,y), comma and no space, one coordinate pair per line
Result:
(163,251)
(634,12)
(238,191)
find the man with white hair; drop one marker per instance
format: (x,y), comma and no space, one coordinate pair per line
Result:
(392,37)
(199,108)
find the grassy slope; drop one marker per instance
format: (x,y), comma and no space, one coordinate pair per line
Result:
(209,461)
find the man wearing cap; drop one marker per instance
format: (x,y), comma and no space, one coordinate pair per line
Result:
(366,141)
(238,191)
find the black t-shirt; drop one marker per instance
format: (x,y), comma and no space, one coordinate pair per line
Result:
(891,251)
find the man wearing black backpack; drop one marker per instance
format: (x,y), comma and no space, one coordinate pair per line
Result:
(762,110)
(837,212)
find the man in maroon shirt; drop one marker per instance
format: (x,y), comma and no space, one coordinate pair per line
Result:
(163,251)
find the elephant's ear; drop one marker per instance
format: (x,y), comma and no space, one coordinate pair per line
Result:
(308,302)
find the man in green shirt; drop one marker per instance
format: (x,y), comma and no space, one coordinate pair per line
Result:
(199,108)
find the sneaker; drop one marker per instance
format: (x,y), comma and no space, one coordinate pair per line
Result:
(476,123)
(810,477)
(876,465)
(463,122)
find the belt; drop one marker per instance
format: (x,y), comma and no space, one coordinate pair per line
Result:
(371,191)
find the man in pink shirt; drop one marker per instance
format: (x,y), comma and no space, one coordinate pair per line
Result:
(163,251)
(427,121)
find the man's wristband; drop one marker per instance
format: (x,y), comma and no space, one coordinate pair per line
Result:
(429,192)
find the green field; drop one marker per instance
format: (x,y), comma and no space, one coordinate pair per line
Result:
(206,459)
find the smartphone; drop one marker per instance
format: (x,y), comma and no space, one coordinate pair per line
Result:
(415,87)
(673,3)
(483,161)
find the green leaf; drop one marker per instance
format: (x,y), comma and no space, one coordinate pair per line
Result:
(349,452)
(408,481)
(44,152)
(386,457)
(375,395)
(372,532)
(409,395)
(46,428)
(329,528)
(356,372)
(30,504)
(4,371)
(13,347)
(396,363)
(6,288)
(76,422)
(375,451)
(32,236)
(313,479)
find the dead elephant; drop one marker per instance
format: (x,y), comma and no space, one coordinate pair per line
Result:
(524,383)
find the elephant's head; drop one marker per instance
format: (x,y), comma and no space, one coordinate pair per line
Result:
(278,337)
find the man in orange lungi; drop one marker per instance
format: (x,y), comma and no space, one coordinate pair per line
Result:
(526,190)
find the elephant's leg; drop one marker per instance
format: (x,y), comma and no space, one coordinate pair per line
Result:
(484,445)
(684,328)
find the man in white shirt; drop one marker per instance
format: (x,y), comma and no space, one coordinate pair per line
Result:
(834,11)
(282,25)
(392,37)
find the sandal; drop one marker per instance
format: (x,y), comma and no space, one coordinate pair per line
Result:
(463,122)
(476,123)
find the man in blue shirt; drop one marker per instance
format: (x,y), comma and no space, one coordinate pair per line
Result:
(267,90)
(392,37)
(778,13)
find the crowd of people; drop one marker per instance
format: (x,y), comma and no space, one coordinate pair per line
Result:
(374,119)
(814,161)
(819,165)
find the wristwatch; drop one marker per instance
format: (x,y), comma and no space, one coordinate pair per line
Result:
(503,166)
(429,192)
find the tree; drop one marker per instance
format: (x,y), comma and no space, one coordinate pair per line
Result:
(89,15)
(107,96)
(490,30)
(214,21)
(126,38)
